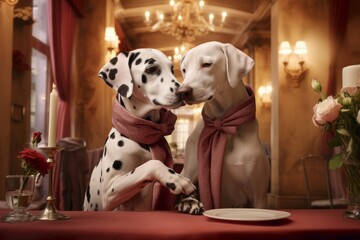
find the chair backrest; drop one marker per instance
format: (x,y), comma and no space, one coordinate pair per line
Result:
(317,179)
(74,172)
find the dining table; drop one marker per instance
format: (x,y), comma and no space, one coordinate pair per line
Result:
(295,224)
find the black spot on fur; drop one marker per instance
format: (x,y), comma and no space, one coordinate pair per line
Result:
(162,80)
(145,146)
(171,171)
(177,85)
(123,90)
(112,135)
(96,207)
(184,71)
(117,164)
(172,69)
(150,61)
(172,186)
(210,97)
(112,73)
(103,75)
(112,190)
(120,143)
(105,150)
(88,195)
(143,79)
(109,84)
(114,60)
(137,62)
(98,192)
(132,58)
(171,89)
(126,53)
(108,170)
(132,171)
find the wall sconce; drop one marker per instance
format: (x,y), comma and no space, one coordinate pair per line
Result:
(265,95)
(112,42)
(293,73)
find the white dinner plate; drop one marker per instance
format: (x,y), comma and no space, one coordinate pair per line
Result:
(246,214)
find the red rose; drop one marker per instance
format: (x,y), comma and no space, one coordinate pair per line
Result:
(36,138)
(34,161)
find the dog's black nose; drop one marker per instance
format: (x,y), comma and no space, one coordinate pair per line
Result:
(184,92)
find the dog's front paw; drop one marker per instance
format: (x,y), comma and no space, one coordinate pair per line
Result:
(190,205)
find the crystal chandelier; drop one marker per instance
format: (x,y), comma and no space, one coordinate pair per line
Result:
(179,52)
(187,21)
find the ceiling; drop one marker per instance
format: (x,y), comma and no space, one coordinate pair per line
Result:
(246,21)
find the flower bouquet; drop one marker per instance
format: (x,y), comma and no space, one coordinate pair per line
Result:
(340,115)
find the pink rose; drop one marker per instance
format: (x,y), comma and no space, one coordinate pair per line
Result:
(326,111)
(350,90)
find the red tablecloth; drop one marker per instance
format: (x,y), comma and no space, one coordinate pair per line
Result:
(302,224)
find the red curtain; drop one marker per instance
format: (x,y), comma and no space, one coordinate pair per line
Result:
(62,17)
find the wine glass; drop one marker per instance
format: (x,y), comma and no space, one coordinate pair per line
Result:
(19,191)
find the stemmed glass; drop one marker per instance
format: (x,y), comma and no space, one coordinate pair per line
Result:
(19,191)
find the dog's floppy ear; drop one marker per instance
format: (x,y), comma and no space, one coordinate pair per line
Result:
(238,64)
(116,74)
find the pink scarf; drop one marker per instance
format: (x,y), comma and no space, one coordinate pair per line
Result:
(211,149)
(152,134)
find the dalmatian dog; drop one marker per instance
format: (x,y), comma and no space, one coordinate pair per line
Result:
(125,177)
(213,74)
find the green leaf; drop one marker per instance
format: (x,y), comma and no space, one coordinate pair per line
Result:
(349,147)
(336,161)
(343,131)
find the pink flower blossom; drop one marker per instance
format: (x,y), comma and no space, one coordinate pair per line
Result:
(326,111)
(350,90)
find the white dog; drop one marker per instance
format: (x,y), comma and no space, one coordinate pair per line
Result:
(136,154)
(223,154)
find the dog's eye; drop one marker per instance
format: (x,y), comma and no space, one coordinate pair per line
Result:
(206,65)
(151,70)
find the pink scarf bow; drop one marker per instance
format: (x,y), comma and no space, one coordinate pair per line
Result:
(211,149)
(152,134)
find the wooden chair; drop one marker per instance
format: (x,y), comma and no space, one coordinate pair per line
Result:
(318,184)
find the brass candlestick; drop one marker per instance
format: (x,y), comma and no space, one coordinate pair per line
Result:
(50,212)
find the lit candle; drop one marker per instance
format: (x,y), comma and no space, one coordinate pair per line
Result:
(351,76)
(223,16)
(211,18)
(147,16)
(53,117)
